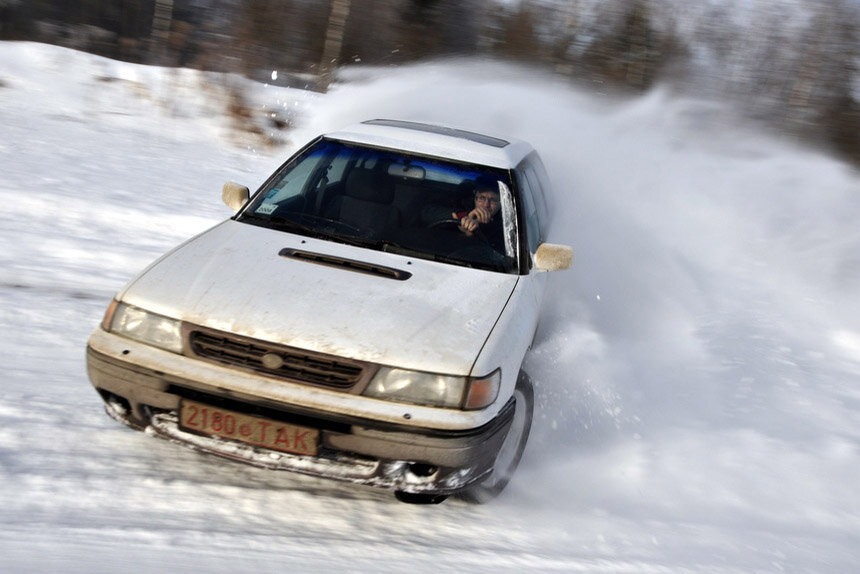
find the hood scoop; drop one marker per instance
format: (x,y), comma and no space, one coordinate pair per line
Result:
(348,264)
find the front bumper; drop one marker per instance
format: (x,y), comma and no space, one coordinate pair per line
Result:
(354,449)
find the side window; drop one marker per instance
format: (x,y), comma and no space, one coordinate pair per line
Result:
(536,174)
(532,223)
(537,197)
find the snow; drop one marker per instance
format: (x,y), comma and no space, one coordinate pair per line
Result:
(697,369)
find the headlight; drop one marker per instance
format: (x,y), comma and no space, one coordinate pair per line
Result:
(434,390)
(135,323)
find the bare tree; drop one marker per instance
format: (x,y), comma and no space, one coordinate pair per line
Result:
(333,40)
(633,52)
(518,39)
(822,101)
(161,22)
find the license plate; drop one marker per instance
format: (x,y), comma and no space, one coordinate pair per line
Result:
(258,431)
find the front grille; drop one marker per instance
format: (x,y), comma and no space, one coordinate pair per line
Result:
(280,361)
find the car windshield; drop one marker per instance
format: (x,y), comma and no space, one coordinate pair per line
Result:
(458,213)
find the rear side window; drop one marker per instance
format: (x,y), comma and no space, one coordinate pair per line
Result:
(537,176)
(533,228)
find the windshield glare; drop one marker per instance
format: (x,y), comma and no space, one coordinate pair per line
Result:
(423,207)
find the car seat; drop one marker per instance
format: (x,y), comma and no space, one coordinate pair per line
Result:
(366,203)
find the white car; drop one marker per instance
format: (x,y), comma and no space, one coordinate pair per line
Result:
(363,316)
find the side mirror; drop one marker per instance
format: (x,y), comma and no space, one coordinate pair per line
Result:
(235,195)
(551,257)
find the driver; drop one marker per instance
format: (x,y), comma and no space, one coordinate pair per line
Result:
(480,218)
(487,205)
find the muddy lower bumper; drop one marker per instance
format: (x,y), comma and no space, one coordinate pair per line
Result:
(381,454)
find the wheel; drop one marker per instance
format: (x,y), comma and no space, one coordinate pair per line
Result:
(418,498)
(511,451)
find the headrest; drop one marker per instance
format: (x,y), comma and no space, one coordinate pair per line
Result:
(369,185)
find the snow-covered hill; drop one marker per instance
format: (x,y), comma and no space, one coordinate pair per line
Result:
(697,374)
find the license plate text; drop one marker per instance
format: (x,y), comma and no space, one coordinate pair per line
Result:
(248,429)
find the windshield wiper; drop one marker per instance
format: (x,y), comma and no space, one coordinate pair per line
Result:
(282,223)
(389,246)
(353,240)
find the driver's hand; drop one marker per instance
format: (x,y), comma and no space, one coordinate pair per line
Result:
(468,225)
(480,214)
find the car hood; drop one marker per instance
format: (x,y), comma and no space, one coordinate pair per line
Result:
(232,278)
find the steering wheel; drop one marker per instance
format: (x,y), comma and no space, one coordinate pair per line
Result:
(475,247)
(444,223)
(477,234)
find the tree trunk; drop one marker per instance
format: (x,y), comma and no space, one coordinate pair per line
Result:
(161,22)
(333,40)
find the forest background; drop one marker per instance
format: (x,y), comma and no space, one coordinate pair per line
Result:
(793,65)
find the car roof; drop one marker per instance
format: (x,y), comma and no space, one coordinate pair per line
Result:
(437,141)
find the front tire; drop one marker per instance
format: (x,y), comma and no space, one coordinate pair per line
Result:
(511,451)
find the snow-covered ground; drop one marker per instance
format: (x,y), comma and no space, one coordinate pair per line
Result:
(698,373)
